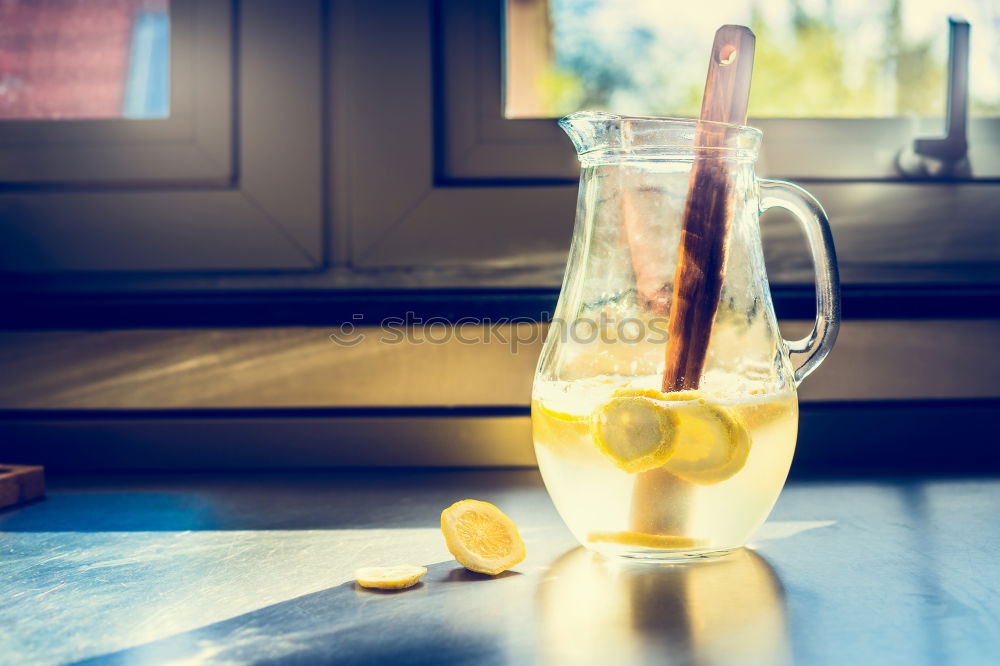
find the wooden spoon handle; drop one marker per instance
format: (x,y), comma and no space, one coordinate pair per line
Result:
(727,86)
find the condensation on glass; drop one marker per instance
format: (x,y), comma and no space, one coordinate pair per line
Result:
(84,59)
(814,58)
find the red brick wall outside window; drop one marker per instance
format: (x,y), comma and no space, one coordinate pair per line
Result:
(66,58)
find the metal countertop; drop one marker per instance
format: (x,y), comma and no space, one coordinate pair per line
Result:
(253,569)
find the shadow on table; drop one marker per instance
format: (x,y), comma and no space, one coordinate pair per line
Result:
(429,623)
(583,609)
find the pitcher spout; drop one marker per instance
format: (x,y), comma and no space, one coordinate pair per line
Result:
(589,130)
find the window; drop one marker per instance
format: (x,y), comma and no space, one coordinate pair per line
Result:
(147,136)
(814,59)
(482,171)
(62,59)
(344,144)
(481,142)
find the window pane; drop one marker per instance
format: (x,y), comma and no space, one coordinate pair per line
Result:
(814,58)
(76,59)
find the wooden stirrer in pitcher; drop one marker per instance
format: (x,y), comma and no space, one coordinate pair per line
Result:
(700,261)
(705,230)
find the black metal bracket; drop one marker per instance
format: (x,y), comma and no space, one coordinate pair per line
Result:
(946,158)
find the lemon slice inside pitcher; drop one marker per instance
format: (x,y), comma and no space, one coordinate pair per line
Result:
(564,433)
(553,427)
(712,444)
(636,432)
(653,394)
(644,540)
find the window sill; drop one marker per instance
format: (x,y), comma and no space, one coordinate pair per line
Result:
(67,310)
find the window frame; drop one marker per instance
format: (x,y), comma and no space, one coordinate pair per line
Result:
(397,225)
(431,217)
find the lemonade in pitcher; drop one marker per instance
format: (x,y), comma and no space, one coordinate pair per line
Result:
(634,470)
(648,452)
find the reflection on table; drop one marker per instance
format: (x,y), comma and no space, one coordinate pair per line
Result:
(598,610)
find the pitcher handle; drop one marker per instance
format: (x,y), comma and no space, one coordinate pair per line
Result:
(809,352)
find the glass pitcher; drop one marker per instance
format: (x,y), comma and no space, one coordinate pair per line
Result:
(634,468)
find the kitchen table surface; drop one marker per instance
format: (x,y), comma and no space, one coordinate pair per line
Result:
(259,569)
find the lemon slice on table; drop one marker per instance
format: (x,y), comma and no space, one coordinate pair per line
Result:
(635,432)
(712,444)
(481,537)
(644,540)
(390,578)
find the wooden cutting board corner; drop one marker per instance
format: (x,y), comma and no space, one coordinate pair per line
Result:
(21,483)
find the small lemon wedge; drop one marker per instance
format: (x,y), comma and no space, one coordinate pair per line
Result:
(653,394)
(643,540)
(761,413)
(390,578)
(565,434)
(553,427)
(635,432)
(556,415)
(481,537)
(712,444)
